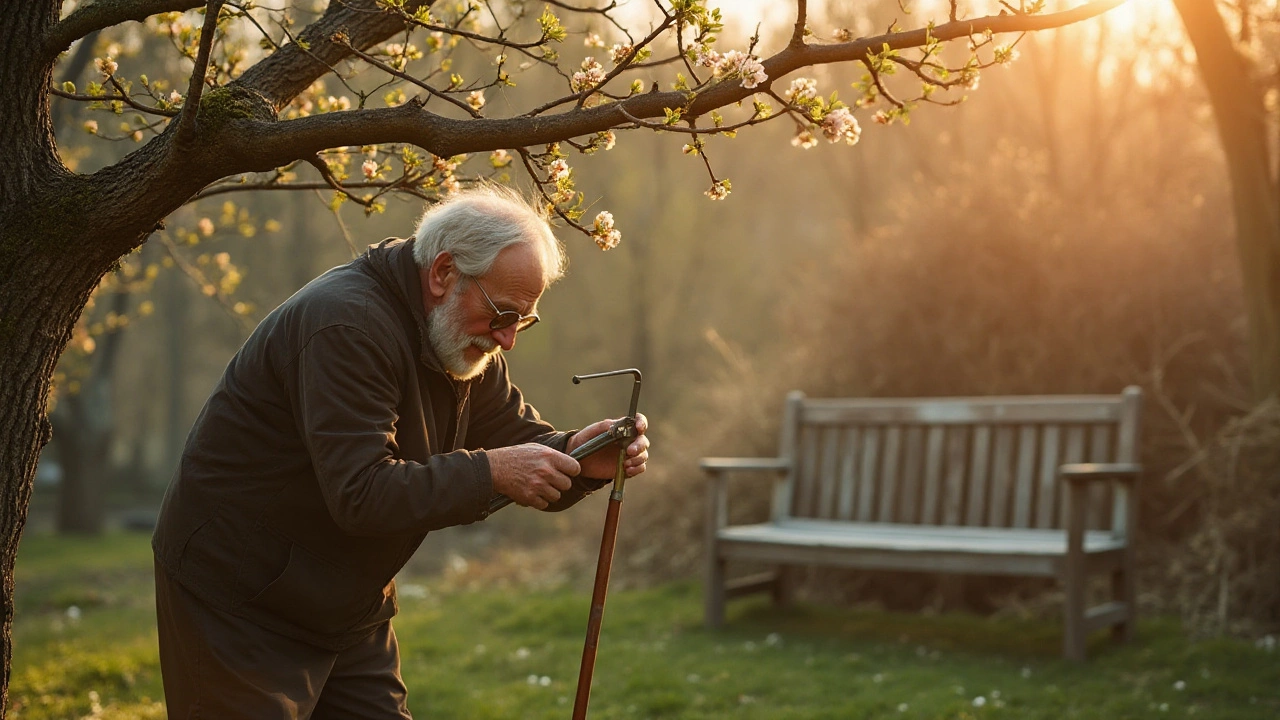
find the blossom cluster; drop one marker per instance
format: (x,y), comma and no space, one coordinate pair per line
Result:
(734,63)
(840,124)
(604,233)
(591,75)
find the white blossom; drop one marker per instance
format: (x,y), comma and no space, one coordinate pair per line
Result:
(370,169)
(175,97)
(804,140)
(106,65)
(592,40)
(801,89)
(591,74)
(558,170)
(840,124)
(476,99)
(500,158)
(91,127)
(720,190)
(603,231)
(620,52)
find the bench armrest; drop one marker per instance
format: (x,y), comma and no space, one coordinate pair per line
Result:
(1085,472)
(715,465)
(717,490)
(1078,476)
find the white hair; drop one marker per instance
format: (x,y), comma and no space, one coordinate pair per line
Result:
(475,225)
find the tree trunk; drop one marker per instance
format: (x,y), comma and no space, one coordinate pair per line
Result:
(1238,110)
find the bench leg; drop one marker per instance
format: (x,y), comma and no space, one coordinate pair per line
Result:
(1124,590)
(1074,579)
(784,588)
(715,590)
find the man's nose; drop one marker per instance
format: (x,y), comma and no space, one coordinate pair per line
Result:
(506,337)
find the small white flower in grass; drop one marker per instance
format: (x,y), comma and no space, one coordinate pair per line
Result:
(1164,707)
(522,653)
(693,678)
(903,707)
(1267,643)
(480,649)
(995,694)
(979,701)
(593,40)
(544,681)
(73,613)
(370,169)
(877,678)
(532,679)
(959,689)
(1180,686)
(840,124)
(476,99)
(749,646)
(773,640)
(91,127)
(412,590)
(106,65)
(1026,672)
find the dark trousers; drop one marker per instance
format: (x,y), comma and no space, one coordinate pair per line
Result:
(217,666)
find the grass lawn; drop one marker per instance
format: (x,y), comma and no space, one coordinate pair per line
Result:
(84,646)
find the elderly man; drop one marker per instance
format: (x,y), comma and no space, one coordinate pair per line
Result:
(370,408)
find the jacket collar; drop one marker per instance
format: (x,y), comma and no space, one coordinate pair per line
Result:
(393,264)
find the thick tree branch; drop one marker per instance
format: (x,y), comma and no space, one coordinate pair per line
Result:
(94,16)
(280,76)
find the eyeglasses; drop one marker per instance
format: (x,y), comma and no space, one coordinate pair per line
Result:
(506,318)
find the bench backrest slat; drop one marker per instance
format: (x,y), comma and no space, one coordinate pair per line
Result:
(982,462)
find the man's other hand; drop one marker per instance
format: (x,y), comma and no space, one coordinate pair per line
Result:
(602,463)
(532,475)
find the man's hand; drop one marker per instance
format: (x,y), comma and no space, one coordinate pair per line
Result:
(602,463)
(532,475)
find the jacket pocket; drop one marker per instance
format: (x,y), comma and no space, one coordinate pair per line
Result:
(315,595)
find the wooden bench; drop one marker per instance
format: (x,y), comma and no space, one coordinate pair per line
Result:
(1028,486)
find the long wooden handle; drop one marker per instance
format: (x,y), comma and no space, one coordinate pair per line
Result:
(604,564)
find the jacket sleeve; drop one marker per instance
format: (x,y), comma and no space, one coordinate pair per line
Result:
(501,418)
(345,392)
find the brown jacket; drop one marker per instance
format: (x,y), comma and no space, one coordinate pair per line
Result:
(330,447)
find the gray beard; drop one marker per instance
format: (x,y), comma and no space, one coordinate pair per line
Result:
(450,343)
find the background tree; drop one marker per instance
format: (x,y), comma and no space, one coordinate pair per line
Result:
(252,119)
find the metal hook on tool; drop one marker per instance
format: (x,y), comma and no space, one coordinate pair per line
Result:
(622,430)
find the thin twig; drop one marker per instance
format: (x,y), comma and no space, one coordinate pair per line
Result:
(187,122)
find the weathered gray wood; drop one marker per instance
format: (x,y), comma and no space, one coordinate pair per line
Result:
(889,473)
(1001,471)
(848,473)
(1075,576)
(932,475)
(954,485)
(750,584)
(1104,615)
(867,473)
(953,499)
(1072,453)
(1024,483)
(1100,493)
(806,472)
(787,450)
(827,480)
(1046,496)
(963,411)
(908,510)
(979,464)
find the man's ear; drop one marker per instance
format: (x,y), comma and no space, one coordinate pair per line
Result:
(440,277)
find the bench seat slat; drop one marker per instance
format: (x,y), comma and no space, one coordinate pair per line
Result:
(917,538)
